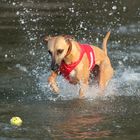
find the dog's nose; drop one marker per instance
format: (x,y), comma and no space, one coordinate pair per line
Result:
(54,67)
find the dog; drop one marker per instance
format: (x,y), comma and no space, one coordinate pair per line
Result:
(76,61)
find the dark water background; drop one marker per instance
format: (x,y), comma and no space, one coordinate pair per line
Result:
(24,68)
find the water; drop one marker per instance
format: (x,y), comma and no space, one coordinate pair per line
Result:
(24,68)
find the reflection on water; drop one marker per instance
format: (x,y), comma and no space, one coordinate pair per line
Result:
(75,119)
(83,127)
(24,68)
(49,120)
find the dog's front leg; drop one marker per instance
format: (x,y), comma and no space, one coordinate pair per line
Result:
(52,82)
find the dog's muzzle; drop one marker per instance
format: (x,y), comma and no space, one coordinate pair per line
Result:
(54,66)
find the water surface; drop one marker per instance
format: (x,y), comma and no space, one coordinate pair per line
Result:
(25,66)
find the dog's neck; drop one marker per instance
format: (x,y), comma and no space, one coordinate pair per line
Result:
(73,53)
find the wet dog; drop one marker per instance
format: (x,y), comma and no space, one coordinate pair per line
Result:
(76,61)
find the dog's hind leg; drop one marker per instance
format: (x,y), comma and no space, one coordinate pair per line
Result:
(106,70)
(106,73)
(83,88)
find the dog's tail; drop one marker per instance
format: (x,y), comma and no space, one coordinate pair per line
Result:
(104,46)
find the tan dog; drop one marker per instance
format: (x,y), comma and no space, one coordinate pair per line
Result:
(66,51)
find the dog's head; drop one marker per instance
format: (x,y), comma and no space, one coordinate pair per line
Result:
(58,48)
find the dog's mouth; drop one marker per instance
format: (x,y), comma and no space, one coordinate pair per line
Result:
(54,66)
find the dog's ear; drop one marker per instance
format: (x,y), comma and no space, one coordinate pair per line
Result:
(47,38)
(68,39)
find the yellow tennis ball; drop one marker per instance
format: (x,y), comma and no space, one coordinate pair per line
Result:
(16,121)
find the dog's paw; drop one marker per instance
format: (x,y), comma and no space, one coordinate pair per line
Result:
(81,95)
(56,90)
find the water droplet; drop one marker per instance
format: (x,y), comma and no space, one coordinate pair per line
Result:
(110,13)
(17,13)
(14,3)
(114,7)
(6,55)
(124,8)
(71,10)
(85,28)
(97,40)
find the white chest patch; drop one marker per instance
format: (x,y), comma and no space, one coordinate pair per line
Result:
(72,74)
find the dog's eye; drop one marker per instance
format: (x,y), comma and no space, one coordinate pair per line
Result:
(59,51)
(50,52)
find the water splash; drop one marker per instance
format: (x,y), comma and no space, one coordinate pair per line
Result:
(125,83)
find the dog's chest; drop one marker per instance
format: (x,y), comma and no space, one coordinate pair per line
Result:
(72,74)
